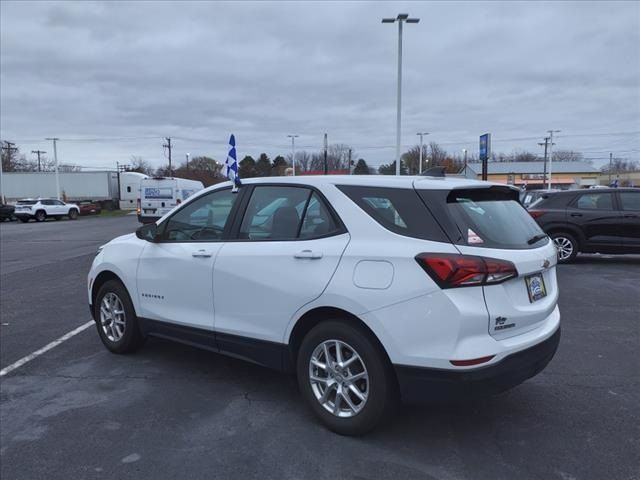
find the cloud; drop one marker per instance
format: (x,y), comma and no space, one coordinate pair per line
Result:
(198,71)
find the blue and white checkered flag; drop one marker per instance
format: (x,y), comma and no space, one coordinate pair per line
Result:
(232,163)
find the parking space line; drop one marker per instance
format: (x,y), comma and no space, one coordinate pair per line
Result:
(45,349)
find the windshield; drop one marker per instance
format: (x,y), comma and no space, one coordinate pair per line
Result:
(493,222)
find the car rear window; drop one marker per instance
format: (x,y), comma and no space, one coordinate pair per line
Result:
(26,202)
(399,210)
(492,218)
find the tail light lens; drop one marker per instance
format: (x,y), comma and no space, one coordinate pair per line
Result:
(536,213)
(138,209)
(451,270)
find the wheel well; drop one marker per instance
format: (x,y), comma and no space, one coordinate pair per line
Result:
(568,230)
(313,317)
(101,279)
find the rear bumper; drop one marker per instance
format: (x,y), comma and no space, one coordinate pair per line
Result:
(420,384)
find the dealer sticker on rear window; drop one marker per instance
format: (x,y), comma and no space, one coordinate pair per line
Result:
(473,237)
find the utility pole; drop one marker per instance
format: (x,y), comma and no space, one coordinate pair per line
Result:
(187,156)
(38,152)
(551,132)
(55,159)
(8,147)
(293,152)
(326,146)
(168,146)
(421,134)
(546,145)
(610,165)
(350,162)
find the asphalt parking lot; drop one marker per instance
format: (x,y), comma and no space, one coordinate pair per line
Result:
(170,411)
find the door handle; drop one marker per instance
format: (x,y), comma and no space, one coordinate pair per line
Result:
(201,254)
(576,214)
(308,254)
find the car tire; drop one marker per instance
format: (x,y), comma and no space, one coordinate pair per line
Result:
(377,388)
(566,245)
(116,319)
(24,219)
(41,216)
(73,214)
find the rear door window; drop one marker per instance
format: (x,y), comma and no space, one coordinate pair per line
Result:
(493,219)
(630,201)
(400,210)
(595,201)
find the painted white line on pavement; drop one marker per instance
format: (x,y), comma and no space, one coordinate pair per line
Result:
(45,349)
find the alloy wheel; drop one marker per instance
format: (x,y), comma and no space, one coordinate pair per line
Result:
(339,378)
(112,317)
(564,247)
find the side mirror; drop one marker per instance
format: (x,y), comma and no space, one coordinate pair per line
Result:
(147,232)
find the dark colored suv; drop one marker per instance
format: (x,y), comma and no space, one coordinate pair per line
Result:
(603,220)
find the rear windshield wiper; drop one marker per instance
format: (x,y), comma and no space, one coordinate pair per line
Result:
(537,238)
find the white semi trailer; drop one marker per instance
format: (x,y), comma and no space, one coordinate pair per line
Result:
(111,189)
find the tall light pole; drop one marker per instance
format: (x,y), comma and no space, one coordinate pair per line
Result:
(551,132)
(187,155)
(401,18)
(421,134)
(464,152)
(293,152)
(55,159)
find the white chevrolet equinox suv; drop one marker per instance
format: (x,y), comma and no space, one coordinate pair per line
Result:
(370,289)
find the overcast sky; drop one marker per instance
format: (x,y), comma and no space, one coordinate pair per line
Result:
(123,75)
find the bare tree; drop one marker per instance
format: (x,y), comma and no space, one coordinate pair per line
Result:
(438,155)
(620,165)
(567,156)
(337,158)
(69,167)
(139,164)
(411,159)
(303,160)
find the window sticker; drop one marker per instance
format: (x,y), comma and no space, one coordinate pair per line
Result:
(473,237)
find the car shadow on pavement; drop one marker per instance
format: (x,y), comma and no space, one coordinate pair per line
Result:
(239,378)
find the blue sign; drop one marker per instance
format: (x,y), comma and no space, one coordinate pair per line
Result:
(485,146)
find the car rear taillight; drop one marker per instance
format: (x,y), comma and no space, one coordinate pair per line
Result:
(450,270)
(138,208)
(536,213)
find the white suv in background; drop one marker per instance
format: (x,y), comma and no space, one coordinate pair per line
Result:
(42,208)
(369,288)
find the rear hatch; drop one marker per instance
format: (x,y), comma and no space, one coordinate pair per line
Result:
(25,205)
(158,196)
(488,221)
